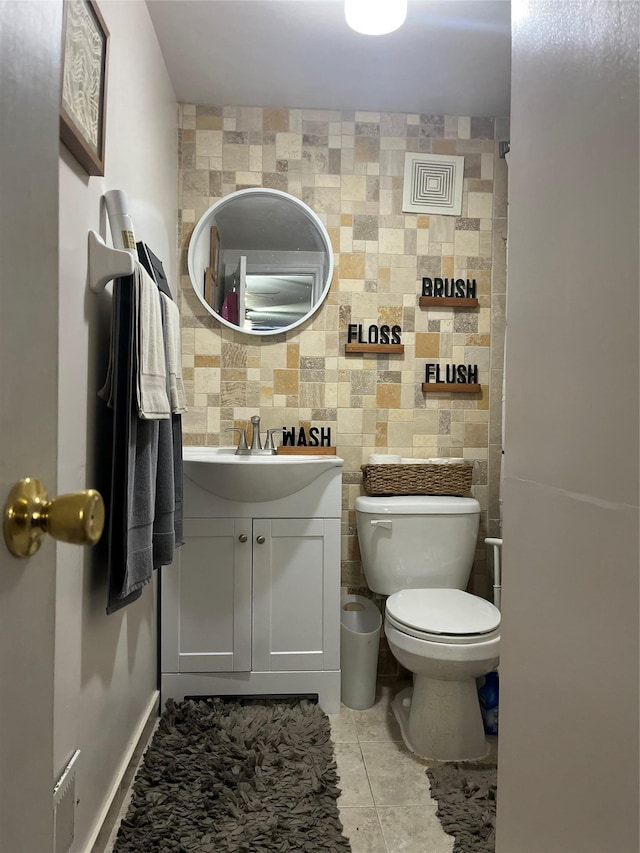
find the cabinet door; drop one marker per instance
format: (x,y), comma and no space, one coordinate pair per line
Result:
(207,599)
(296,592)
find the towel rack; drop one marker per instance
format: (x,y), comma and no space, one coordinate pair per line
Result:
(106,263)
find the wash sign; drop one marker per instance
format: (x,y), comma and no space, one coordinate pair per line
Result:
(317,437)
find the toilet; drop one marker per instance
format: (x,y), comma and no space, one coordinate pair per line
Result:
(418,550)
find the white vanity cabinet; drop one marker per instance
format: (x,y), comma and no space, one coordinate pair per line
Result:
(251,604)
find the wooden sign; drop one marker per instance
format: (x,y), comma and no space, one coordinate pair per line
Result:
(456,378)
(380,339)
(298,437)
(450,292)
(305,451)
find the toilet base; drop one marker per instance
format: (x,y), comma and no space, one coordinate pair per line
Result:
(441,720)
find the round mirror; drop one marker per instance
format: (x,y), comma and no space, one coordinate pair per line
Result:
(260,261)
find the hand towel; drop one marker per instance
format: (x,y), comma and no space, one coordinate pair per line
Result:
(129,554)
(174,356)
(153,401)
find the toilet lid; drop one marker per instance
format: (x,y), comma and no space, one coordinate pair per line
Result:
(443,611)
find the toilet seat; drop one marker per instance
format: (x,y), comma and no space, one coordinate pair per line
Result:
(443,615)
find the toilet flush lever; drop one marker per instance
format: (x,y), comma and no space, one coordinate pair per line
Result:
(385,524)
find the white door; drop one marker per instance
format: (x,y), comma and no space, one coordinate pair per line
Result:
(29,98)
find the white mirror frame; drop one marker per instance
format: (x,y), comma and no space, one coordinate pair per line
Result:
(198,253)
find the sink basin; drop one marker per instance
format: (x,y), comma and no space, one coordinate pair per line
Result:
(253,478)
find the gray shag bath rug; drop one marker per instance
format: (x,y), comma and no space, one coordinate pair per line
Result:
(224,776)
(466,795)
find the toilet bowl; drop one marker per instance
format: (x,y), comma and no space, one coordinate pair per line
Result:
(440,716)
(419,551)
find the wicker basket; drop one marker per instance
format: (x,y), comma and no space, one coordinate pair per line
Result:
(415,479)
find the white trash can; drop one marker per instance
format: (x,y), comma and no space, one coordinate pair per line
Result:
(360,623)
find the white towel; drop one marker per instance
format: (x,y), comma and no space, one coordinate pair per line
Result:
(384,459)
(153,402)
(174,355)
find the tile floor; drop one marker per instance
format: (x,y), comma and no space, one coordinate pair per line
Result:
(385,805)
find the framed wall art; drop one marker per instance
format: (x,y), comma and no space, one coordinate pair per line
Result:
(85,42)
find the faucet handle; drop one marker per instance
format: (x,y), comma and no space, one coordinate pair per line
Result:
(242,441)
(269,445)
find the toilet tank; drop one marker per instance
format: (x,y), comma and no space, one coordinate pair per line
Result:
(417,542)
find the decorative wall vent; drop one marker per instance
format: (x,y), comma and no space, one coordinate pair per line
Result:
(433,184)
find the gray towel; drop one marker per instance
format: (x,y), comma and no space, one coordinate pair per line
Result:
(177,478)
(151,534)
(164,539)
(141,500)
(119,390)
(143,527)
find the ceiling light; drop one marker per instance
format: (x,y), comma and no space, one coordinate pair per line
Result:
(375,17)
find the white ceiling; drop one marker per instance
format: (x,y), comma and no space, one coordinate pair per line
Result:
(450,56)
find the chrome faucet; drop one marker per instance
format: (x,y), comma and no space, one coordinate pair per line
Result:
(256,444)
(256,448)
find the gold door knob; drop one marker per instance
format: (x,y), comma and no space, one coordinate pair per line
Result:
(77,518)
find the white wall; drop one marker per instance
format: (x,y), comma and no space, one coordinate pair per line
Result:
(105,673)
(568,769)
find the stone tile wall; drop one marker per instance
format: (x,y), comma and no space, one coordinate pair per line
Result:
(348,167)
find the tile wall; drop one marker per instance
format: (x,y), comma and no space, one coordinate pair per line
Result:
(348,167)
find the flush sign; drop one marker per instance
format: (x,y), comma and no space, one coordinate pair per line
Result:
(452,378)
(462,374)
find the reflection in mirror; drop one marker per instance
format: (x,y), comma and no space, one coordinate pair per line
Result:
(277,301)
(260,261)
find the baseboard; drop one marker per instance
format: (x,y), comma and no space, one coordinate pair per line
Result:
(106,818)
